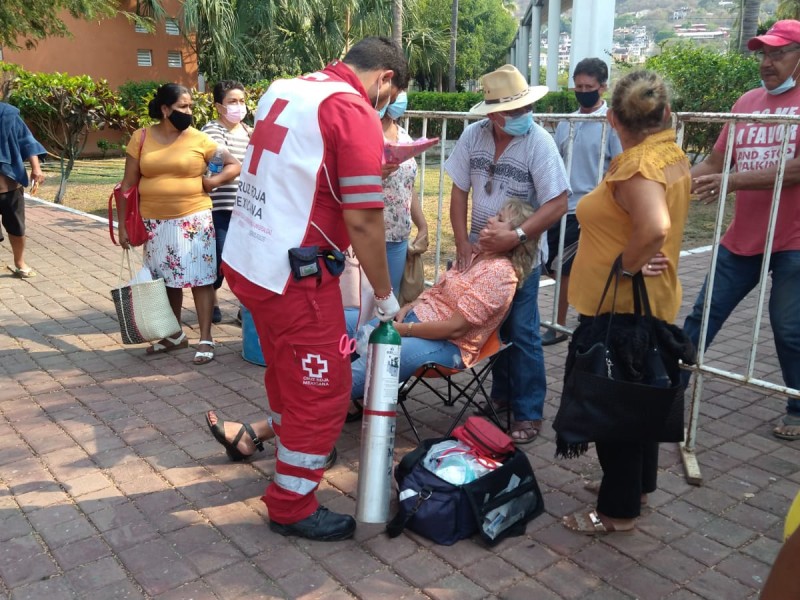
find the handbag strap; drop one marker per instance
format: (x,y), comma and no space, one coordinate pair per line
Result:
(641,300)
(111,219)
(126,254)
(399,522)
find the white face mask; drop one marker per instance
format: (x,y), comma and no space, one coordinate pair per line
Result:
(235,112)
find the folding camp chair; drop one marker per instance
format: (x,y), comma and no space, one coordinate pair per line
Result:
(469,390)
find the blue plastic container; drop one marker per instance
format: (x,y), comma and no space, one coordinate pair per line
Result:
(251,346)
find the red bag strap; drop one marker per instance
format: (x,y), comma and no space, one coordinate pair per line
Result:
(111,196)
(111,219)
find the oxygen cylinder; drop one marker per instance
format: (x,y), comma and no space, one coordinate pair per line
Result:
(378,425)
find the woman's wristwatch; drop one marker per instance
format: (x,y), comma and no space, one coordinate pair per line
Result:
(521,235)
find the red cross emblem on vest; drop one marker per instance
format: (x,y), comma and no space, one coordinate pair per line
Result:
(268,135)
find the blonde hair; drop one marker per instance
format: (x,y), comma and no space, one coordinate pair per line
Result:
(516,212)
(640,101)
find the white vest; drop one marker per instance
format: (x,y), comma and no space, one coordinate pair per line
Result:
(273,206)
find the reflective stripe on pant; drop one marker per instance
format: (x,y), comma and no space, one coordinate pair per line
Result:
(307,380)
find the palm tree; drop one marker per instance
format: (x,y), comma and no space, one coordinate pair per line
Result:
(397,21)
(788,9)
(451,87)
(748,23)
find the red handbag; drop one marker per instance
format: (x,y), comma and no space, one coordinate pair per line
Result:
(134,224)
(483,435)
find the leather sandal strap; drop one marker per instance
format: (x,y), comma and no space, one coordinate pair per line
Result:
(256,440)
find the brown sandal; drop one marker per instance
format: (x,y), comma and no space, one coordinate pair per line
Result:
(524,432)
(590,523)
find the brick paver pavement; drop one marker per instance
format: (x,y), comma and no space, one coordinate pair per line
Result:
(112,487)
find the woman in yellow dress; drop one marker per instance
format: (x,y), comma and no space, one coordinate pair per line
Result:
(637,212)
(174,202)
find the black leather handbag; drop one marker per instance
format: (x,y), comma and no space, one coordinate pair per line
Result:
(622,377)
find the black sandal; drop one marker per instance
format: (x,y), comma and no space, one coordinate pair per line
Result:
(236,455)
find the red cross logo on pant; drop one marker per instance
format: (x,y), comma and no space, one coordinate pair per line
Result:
(315,365)
(268,135)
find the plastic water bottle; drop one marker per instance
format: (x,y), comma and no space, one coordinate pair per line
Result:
(216,163)
(378,425)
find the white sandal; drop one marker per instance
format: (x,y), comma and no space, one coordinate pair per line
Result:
(203,358)
(176,343)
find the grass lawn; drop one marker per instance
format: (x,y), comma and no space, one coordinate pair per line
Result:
(91,183)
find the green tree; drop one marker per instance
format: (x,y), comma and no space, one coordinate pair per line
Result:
(62,110)
(486,31)
(704,80)
(788,9)
(25,22)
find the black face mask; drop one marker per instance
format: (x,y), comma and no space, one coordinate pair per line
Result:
(588,99)
(180,120)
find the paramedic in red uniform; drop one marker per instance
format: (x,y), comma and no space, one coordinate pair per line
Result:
(312,177)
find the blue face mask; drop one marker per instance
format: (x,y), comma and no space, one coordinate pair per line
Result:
(399,106)
(382,111)
(785,86)
(782,88)
(518,125)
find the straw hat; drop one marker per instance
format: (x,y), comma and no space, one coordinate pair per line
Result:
(506,89)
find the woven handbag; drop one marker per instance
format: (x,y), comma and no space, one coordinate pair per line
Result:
(143,308)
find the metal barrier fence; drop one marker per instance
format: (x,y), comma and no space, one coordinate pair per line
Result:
(421,121)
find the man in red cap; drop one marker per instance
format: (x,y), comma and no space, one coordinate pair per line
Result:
(756,152)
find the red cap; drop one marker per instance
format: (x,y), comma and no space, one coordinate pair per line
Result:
(781,33)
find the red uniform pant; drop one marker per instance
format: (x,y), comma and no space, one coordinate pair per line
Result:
(307,379)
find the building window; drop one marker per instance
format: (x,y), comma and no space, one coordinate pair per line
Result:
(144,58)
(172,27)
(139,28)
(174,59)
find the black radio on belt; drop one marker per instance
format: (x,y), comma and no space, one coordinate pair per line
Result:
(304,262)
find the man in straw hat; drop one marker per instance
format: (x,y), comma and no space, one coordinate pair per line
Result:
(507,156)
(756,152)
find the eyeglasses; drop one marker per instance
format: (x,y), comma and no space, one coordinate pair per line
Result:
(487,187)
(774,55)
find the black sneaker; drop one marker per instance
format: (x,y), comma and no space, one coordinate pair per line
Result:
(331,460)
(550,337)
(324,526)
(216,315)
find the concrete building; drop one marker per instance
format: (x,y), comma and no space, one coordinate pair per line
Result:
(591,35)
(116,50)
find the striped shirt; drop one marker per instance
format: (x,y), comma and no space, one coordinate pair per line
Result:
(529,169)
(236,142)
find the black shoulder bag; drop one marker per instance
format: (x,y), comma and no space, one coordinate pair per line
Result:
(622,377)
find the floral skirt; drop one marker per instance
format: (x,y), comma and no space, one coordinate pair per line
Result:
(182,251)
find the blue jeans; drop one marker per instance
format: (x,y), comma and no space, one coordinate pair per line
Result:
(415,352)
(396,255)
(222,220)
(734,278)
(518,375)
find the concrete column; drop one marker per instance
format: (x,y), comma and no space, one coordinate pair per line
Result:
(592,32)
(523,45)
(536,43)
(553,29)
